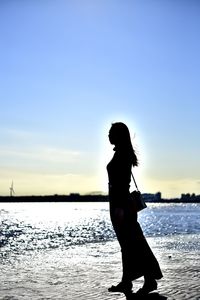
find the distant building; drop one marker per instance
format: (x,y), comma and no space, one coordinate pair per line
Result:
(190,197)
(152,197)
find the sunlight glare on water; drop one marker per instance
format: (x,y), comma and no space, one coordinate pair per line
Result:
(35,226)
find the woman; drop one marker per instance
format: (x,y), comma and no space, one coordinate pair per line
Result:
(137,258)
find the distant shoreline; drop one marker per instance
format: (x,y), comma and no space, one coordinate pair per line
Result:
(89,198)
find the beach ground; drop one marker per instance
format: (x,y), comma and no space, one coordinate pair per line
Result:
(180,267)
(86,272)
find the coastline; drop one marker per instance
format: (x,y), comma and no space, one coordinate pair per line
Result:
(90,198)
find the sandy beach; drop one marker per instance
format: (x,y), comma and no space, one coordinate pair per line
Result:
(72,276)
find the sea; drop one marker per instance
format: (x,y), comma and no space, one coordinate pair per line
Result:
(46,248)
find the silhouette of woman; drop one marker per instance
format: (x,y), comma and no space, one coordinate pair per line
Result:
(137,258)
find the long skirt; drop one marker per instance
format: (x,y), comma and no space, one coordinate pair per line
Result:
(137,257)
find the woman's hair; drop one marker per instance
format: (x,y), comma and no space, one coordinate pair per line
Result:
(123,140)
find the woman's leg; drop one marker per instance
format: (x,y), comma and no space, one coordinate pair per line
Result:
(118,221)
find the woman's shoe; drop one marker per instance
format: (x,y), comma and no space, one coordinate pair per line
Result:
(122,287)
(147,288)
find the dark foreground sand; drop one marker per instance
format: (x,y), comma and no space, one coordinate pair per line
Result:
(85,272)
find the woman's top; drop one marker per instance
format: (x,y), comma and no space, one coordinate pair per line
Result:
(119,175)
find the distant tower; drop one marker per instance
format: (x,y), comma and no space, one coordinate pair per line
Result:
(12,192)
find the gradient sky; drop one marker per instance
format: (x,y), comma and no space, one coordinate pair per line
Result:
(68,69)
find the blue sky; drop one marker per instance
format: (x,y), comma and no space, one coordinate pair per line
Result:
(71,68)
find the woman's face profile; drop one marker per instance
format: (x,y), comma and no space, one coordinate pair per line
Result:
(112,136)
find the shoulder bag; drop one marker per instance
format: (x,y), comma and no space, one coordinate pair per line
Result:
(137,201)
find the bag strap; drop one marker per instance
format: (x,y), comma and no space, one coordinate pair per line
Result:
(134,181)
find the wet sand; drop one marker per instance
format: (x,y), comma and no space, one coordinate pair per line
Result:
(180,269)
(85,272)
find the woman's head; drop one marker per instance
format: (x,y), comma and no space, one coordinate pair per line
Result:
(119,136)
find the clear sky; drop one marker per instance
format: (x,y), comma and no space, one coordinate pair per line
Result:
(69,68)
